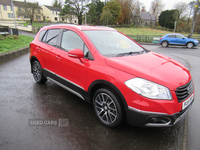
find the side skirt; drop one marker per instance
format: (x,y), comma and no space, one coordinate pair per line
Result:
(66,84)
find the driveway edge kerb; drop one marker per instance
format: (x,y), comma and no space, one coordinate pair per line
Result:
(4,57)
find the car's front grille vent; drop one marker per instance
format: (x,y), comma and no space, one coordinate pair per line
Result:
(183,92)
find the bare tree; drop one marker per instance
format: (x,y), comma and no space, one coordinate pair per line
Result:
(30,10)
(156,7)
(182,8)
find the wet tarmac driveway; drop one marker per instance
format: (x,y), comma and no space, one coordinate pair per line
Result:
(21,100)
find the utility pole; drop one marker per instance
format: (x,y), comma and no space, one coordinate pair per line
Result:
(13,13)
(194,17)
(85,14)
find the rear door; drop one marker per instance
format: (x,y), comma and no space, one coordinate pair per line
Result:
(48,49)
(171,39)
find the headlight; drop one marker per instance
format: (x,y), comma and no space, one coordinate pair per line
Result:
(196,41)
(149,89)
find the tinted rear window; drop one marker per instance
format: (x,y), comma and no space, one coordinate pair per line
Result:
(52,36)
(41,35)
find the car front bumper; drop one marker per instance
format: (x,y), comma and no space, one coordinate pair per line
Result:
(141,118)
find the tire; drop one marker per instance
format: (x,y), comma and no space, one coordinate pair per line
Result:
(37,72)
(190,45)
(164,44)
(108,108)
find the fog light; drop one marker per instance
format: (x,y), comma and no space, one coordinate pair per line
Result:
(160,120)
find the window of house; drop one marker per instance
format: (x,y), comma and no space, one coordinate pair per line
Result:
(19,8)
(10,15)
(11,8)
(52,37)
(38,11)
(26,16)
(56,19)
(56,13)
(5,7)
(53,12)
(38,17)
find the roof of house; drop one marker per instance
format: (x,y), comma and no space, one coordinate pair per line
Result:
(145,15)
(5,2)
(19,3)
(53,8)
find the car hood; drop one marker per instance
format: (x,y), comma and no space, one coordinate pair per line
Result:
(154,67)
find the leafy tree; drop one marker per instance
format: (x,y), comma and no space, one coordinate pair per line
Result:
(127,6)
(106,17)
(92,13)
(156,7)
(197,22)
(99,9)
(30,10)
(74,7)
(168,17)
(57,3)
(115,10)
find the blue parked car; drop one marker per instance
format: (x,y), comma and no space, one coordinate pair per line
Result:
(177,39)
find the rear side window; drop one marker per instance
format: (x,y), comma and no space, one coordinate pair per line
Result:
(171,36)
(51,37)
(41,35)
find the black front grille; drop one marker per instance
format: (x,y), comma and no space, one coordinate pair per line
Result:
(183,92)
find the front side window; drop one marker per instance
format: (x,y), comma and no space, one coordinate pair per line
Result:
(51,37)
(71,40)
(179,36)
(113,43)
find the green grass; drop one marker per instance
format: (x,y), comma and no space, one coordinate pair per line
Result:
(141,31)
(7,44)
(146,31)
(36,24)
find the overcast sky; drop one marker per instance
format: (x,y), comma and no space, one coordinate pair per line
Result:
(168,4)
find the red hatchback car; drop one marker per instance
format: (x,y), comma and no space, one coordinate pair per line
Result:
(123,80)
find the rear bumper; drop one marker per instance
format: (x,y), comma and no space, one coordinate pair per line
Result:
(141,118)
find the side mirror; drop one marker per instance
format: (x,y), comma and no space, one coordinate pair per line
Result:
(76,53)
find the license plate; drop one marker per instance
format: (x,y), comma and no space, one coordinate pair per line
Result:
(187,102)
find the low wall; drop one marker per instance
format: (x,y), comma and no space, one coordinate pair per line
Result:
(13,54)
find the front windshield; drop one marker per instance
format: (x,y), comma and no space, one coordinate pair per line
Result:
(112,43)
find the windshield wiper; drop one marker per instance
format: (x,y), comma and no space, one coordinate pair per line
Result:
(129,53)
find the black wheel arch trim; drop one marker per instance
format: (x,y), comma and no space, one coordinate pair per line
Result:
(105,83)
(31,59)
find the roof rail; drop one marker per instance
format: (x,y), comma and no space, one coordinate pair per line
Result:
(64,25)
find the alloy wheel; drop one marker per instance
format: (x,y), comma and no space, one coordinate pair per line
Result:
(106,108)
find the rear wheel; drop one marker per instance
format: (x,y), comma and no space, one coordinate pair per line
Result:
(190,45)
(37,72)
(108,108)
(164,44)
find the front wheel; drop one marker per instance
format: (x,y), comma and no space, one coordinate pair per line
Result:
(37,72)
(108,108)
(190,45)
(164,44)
